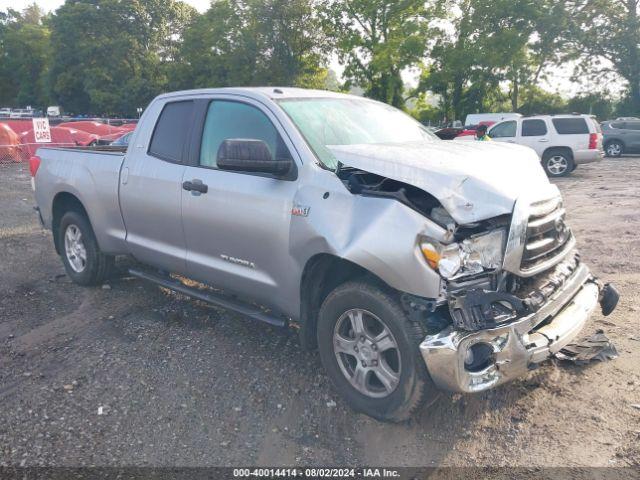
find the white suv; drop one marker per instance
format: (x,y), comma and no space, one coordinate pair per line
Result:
(561,141)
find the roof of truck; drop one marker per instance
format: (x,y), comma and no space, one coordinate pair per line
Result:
(273,93)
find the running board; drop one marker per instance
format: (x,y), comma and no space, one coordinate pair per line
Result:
(218,300)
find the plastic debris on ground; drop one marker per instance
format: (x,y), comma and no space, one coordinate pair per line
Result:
(596,347)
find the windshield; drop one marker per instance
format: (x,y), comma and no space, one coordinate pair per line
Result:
(325,122)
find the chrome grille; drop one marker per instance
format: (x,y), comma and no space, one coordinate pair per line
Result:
(548,237)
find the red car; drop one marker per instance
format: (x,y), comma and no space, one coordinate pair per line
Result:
(471,129)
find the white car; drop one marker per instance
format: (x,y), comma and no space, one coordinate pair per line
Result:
(476,118)
(561,141)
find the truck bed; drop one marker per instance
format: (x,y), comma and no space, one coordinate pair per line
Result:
(92,176)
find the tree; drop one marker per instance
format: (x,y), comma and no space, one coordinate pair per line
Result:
(112,56)
(599,104)
(24,50)
(494,45)
(376,40)
(605,36)
(254,42)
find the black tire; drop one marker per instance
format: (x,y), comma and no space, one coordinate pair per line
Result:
(414,384)
(97,266)
(614,149)
(558,163)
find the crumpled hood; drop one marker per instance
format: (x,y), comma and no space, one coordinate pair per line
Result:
(472,180)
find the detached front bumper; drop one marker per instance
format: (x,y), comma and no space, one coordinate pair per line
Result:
(516,347)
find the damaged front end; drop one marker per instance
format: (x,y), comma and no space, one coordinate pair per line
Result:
(503,323)
(513,290)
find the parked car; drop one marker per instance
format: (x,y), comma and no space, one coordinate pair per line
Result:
(561,141)
(480,118)
(410,263)
(450,130)
(621,136)
(470,130)
(123,140)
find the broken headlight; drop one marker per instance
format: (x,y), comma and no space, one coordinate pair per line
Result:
(473,255)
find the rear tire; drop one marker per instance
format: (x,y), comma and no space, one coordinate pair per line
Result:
(557,163)
(377,368)
(614,149)
(83,261)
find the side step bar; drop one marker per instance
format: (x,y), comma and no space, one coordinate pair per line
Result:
(218,300)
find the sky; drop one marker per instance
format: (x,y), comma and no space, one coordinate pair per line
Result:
(559,78)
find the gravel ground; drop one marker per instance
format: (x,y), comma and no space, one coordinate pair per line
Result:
(129,374)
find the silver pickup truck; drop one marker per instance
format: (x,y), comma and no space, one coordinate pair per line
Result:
(410,263)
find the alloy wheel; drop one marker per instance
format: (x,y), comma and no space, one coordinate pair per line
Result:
(74,248)
(367,353)
(557,164)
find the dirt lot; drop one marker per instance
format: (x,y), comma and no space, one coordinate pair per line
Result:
(129,375)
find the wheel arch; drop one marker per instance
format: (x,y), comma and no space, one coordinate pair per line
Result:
(62,203)
(615,139)
(322,274)
(557,149)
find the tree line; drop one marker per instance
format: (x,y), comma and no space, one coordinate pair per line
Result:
(108,57)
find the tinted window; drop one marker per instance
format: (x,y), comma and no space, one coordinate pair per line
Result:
(170,134)
(503,130)
(633,125)
(534,128)
(619,125)
(227,120)
(570,126)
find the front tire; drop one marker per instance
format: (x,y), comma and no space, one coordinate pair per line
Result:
(369,348)
(83,261)
(557,163)
(614,149)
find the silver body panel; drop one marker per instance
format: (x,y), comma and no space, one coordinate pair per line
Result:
(253,235)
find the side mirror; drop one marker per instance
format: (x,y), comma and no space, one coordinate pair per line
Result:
(248,155)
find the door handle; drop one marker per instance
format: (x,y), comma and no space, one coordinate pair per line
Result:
(543,140)
(195,185)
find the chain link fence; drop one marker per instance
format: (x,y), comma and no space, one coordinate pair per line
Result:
(18,141)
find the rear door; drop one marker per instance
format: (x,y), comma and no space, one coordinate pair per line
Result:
(534,133)
(237,233)
(632,137)
(574,132)
(151,187)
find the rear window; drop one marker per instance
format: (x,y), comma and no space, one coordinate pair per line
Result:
(170,134)
(570,126)
(534,128)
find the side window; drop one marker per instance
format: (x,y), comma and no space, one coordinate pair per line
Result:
(170,134)
(504,130)
(633,125)
(570,126)
(618,125)
(534,128)
(226,120)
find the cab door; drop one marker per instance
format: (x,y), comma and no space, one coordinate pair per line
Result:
(504,131)
(534,133)
(237,224)
(151,187)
